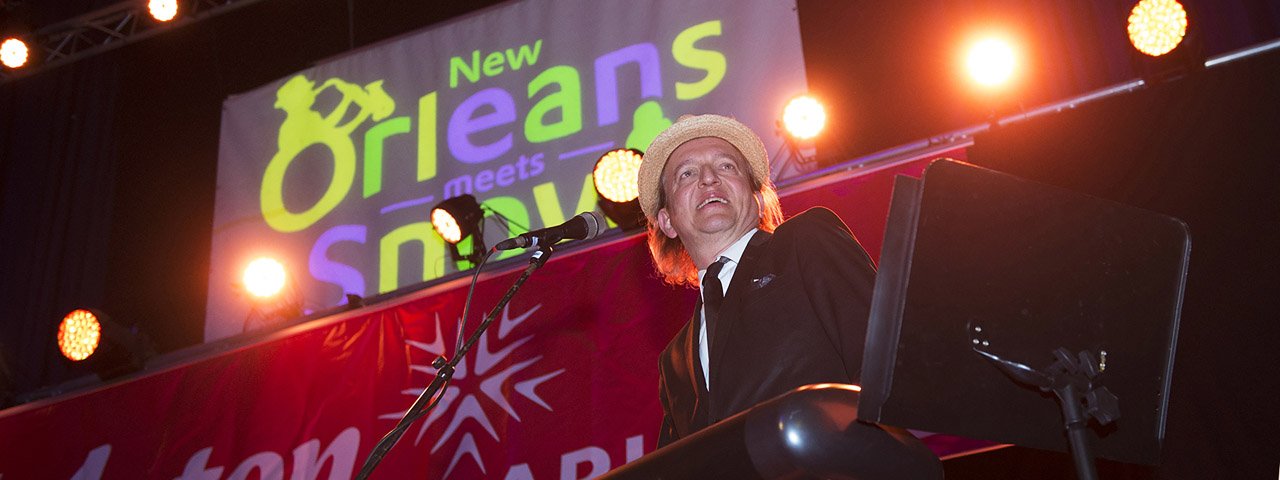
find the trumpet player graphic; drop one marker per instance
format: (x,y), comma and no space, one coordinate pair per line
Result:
(304,127)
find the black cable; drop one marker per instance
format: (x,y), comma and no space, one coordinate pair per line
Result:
(506,222)
(466,306)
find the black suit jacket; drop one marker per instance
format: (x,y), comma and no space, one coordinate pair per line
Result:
(795,314)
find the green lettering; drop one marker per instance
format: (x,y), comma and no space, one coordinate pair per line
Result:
(710,61)
(272,197)
(568,99)
(493,64)
(427,137)
(524,54)
(389,254)
(373,148)
(456,64)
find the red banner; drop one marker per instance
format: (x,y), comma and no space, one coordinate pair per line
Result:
(562,385)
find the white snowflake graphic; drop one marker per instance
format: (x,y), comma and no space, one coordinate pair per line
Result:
(468,401)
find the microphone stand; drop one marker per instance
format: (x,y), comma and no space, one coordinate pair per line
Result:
(444,370)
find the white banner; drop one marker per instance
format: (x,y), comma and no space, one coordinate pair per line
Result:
(333,170)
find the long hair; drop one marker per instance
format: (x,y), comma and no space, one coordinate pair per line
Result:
(672,260)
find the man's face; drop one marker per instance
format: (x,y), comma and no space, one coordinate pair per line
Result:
(707,187)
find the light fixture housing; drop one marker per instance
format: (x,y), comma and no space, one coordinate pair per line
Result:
(456,219)
(89,337)
(1166,41)
(616,179)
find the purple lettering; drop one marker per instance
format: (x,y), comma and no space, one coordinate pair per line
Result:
(535,165)
(484,180)
(506,175)
(327,270)
(464,122)
(643,54)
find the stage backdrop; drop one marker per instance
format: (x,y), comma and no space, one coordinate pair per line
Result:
(333,170)
(562,386)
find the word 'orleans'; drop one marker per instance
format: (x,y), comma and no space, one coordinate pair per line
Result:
(479,129)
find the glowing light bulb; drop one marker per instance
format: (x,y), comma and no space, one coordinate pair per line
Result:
(264,277)
(13,53)
(991,62)
(804,117)
(1156,27)
(79,335)
(617,175)
(163,10)
(446,225)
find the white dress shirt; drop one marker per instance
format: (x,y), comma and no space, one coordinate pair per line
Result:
(733,254)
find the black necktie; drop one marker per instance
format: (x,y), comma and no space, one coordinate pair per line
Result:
(712,297)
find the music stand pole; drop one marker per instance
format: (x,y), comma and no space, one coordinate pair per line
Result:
(1075,419)
(1073,380)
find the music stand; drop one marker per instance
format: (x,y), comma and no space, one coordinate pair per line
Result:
(983,274)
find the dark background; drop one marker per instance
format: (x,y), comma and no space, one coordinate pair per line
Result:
(1203,149)
(108,168)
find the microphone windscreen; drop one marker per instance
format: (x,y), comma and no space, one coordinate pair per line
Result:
(594,223)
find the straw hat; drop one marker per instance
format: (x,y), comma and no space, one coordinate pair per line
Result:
(689,127)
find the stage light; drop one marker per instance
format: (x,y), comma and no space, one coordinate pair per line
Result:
(79,334)
(991,62)
(446,225)
(1156,27)
(163,10)
(616,174)
(800,121)
(89,337)
(264,277)
(14,52)
(457,218)
(273,296)
(804,117)
(616,180)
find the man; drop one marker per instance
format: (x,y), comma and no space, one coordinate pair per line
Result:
(783,304)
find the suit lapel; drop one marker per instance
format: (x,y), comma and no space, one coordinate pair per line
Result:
(694,364)
(731,310)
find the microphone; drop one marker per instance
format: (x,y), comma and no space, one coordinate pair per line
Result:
(585,226)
